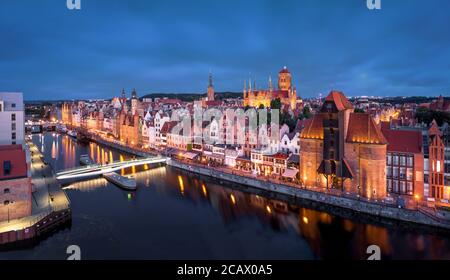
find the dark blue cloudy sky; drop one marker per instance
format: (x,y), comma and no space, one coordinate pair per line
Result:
(49,52)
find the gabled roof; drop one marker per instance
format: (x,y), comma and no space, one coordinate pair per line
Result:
(339,99)
(404,141)
(363,129)
(314,128)
(167,127)
(434,129)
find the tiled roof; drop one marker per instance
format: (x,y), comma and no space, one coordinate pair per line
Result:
(314,128)
(167,127)
(404,141)
(12,157)
(339,99)
(363,129)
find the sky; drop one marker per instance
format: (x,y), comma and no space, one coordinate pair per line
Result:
(50,52)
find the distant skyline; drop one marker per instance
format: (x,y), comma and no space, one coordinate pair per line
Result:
(50,52)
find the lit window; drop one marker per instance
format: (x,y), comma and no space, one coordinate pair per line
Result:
(438,166)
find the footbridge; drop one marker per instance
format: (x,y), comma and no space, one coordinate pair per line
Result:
(98,169)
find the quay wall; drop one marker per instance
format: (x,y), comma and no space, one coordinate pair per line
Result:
(356,205)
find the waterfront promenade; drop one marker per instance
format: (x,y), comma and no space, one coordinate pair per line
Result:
(413,211)
(47,195)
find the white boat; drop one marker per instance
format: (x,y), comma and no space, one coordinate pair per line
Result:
(72,133)
(121,181)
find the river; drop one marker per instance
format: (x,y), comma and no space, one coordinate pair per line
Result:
(178,215)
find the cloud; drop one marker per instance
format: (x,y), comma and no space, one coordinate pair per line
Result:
(50,52)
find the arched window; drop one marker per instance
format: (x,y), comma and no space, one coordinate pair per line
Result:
(6,202)
(6,191)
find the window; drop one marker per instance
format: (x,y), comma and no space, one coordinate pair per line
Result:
(395,172)
(395,160)
(402,160)
(389,159)
(409,174)
(403,187)
(410,161)
(389,172)
(13,126)
(389,185)
(6,202)
(13,117)
(395,183)
(7,167)
(13,136)
(13,105)
(410,188)
(6,191)
(402,173)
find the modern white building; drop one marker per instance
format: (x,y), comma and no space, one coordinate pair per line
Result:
(12,122)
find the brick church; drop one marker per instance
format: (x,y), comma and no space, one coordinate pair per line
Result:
(285,92)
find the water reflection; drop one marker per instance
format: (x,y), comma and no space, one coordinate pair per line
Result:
(88,185)
(172,205)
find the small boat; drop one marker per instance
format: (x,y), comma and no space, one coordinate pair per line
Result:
(85,160)
(121,181)
(72,133)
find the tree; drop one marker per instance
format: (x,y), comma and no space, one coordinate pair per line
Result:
(427,116)
(359,110)
(275,104)
(261,106)
(306,114)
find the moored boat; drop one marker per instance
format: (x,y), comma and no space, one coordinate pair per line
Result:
(121,181)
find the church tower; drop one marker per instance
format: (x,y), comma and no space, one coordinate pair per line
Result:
(134,102)
(284,79)
(210,92)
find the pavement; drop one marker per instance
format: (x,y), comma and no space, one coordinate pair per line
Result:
(47,195)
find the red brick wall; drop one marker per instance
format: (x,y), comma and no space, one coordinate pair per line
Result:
(19,197)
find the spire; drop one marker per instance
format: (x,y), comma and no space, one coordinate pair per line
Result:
(270,83)
(254,84)
(210,80)
(134,94)
(123,93)
(245,85)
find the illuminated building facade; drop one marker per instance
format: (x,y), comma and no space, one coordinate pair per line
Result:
(285,92)
(343,150)
(436,162)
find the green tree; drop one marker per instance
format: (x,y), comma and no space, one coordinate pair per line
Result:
(275,104)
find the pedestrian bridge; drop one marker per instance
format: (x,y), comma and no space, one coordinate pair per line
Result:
(98,169)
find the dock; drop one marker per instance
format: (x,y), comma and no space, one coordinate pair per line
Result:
(121,181)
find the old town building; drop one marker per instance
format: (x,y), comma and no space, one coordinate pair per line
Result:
(404,162)
(286,92)
(436,162)
(15,184)
(343,150)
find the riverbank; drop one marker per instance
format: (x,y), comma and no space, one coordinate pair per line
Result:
(406,215)
(50,204)
(423,215)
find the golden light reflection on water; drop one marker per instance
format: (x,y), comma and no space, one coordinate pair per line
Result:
(88,186)
(181,184)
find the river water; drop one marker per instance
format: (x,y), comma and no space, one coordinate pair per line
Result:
(178,215)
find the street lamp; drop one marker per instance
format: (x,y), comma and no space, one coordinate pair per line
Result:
(417,197)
